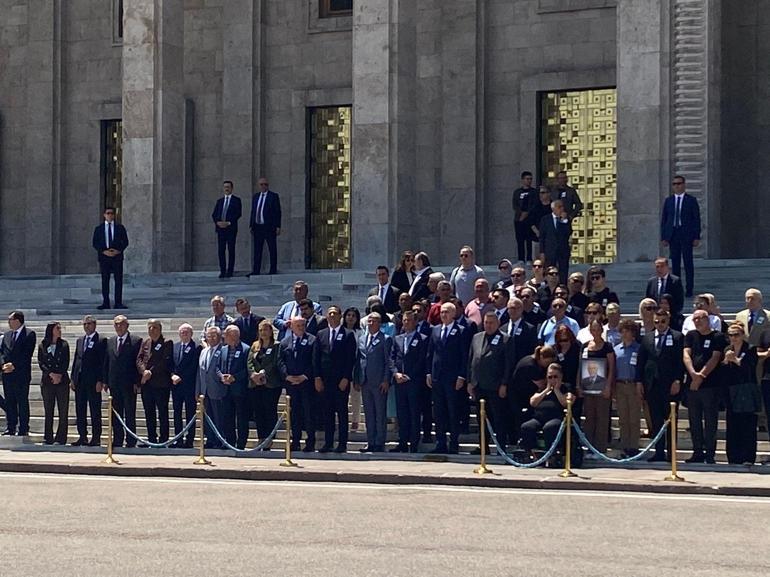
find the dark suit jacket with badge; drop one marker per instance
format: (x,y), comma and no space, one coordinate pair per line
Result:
(448,360)
(391,298)
(661,368)
(249,335)
(237,368)
(489,363)
(554,241)
(411,358)
(299,362)
(335,363)
(156,357)
(186,367)
(120,367)
(19,352)
(88,364)
(374,363)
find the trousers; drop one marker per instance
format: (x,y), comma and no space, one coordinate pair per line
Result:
(58,395)
(155,403)
(88,400)
(703,412)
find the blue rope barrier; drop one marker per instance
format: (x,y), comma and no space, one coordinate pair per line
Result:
(259,447)
(584,440)
(163,445)
(533,464)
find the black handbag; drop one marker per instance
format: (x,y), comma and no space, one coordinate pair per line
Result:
(745,398)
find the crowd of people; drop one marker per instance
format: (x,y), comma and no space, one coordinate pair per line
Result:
(426,348)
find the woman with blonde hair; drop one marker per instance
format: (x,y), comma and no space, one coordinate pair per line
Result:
(264,380)
(647,308)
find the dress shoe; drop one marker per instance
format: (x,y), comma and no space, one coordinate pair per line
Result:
(8,433)
(23,433)
(439,450)
(62,443)
(477,451)
(379,449)
(696,458)
(103,307)
(267,448)
(367,449)
(709,460)
(399,448)
(454,450)
(414,449)
(353,426)
(341,449)
(657,459)
(130,445)
(95,443)
(121,306)
(427,439)
(177,445)
(79,443)
(295,447)
(48,442)
(222,275)
(325,449)
(308,449)
(189,444)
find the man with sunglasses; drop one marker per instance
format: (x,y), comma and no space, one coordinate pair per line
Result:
(680,229)
(577,297)
(600,292)
(110,240)
(504,269)
(547,333)
(532,312)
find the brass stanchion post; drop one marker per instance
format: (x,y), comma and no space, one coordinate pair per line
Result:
(287,462)
(482,469)
(672,447)
(110,459)
(201,412)
(567,472)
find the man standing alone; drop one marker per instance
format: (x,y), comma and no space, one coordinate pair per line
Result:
(110,241)
(226,213)
(265,224)
(680,230)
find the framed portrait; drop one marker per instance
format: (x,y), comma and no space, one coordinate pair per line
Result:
(593,376)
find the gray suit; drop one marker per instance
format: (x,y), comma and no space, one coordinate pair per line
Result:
(209,384)
(374,366)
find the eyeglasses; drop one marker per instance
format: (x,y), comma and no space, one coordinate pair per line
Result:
(648,308)
(516,274)
(557,307)
(537,266)
(660,322)
(677,182)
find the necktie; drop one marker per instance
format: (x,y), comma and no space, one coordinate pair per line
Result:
(120,344)
(368,341)
(678,213)
(443,334)
(751,320)
(295,347)
(333,337)
(209,353)
(110,237)
(382,294)
(260,208)
(225,206)
(659,344)
(660,287)
(230,353)
(181,353)
(246,323)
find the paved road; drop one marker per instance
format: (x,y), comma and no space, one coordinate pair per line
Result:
(97,526)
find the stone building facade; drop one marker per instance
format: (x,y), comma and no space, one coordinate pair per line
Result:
(383,124)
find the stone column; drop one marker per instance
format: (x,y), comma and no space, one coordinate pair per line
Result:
(153,134)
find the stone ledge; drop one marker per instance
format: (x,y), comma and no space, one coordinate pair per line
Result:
(553,6)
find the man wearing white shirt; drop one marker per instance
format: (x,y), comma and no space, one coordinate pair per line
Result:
(265,224)
(290,309)
(109,241)
(227,211)
(388,293)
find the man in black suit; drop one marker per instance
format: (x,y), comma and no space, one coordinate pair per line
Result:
(233,373)
(522,340)
(422,271)
(296,368)
(568,195)
(87,378)
(265,224)
(17,349)
(122,378)
(555,231)
(184,372)
(680,229)
(315,322)
(387,292)
(110,242)
(410,355)
(247,321)
(662,365)
(665,283)
(226,213)
(335,354)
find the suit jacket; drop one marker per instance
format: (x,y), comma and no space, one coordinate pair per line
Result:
(391,298)
(522,340)
(333,364)
(421,290)
(760,325)
(156,357)
(20,354)
(184,364)
(690,215)
(374,363)
(572,203)
(207,382)
(661,368)
(271,211)
(119,241)
(236,367)
(234,210)
(56,361)
(120,367)
(411,357)
(297,361)
(448,360)
(554,242)
(249,334)
(489,363)
(284,316)
(400,280)
(315,324)
(88,364)
(672,286)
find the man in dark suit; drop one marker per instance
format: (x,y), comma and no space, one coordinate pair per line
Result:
(234,374)
(489,365)
(422,271)
(522,340)
(662,365)
(335,355)
(17,349)
(247,322)
(680,230)
(265,224)
(154,363)
(665,283)
(410,354)
(87,378)
(184,372)
(122,379)
(387,292)
(110,242)
(227,211)
(297,351)
(447,367)
(568,195)
(314,321)
(555,231)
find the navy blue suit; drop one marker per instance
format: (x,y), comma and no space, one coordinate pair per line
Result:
(332,364)
(265,231)
(249,333)
(16,384)
(226,236)
(111,265)
(295,361)
(185,365)
(410,357)
(448,360)
(232,361)
(680,238)
(87,368)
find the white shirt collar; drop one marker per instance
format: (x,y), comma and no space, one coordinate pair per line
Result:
(679,196)
(419,272)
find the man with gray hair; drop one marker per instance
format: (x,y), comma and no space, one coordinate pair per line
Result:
(234,374)
(754,317)
(219,318)
(184,371)
(210,386)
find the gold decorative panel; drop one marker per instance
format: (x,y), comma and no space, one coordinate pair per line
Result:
(112,163)
(579,130)
(329,181)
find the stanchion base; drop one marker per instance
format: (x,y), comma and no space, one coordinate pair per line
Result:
(676,478)
(482,470)
(201,461)
(566,473)
(288,463)
(110,460)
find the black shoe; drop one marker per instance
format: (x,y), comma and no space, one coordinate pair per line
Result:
(47,442)
(23,433)
(657,458)
(209,446)
(427,439)
(189,444)
(121,306)
(79,443)
(129,445)
(103,307)
(454,450)
(696,458)
(325,449)
(400,448)
(367,449)
(296,447)
(95,443)
(414,449)
(251,274)
(341,449)
(119,445)
(477,451)
(222,275)
(308,448)
(8,433)
(62,443)
(439,450)
(709,460)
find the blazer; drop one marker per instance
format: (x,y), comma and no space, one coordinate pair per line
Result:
(391,298)
(661,368)
(295,361)
(374,363)
(88,364)
(315,324)
(333,364)
(400,280)
(448,360)
(554,241)
(20,354)
(690,218)
(672,286)
(572,203)
(120,367)
(522,341)
(249,334)
(284,314)
(237,368)
(421,290)
(489,362)
(56,361)
(234,210)
(266,359)
(184,364)
(156,357)
(761,324)
(410,357)
(119,241)
(271,211)
(207,382)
